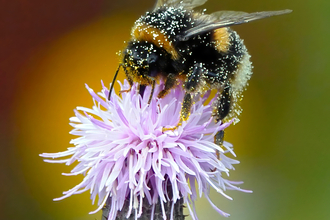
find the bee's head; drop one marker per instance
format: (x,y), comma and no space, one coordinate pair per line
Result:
(141,62)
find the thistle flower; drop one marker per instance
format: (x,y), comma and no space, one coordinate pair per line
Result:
(124,153)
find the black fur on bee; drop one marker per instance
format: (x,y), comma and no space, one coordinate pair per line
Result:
(176,44)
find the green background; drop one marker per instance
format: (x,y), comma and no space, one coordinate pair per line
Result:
(50,49)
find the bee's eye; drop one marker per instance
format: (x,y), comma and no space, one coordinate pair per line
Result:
(153,57)
(151,60)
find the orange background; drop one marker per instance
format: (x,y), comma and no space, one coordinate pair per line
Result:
(50,49)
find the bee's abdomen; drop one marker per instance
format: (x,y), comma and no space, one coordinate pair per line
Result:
(221,55)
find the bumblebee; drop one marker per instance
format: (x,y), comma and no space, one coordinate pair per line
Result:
(174,43)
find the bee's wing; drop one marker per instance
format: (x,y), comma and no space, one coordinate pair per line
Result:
(227,18)
(188,4)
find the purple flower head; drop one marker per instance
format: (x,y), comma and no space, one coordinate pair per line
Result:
(124,153)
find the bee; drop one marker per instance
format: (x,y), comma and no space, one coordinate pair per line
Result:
(174,43)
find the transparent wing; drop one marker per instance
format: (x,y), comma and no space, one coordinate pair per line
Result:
(228,18)
(188,4)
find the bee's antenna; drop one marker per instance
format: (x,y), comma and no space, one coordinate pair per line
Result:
(113,82)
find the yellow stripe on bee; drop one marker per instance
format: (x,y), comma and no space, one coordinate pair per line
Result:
(150,34)
(222,39)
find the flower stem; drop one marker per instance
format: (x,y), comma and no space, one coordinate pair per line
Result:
(146,211)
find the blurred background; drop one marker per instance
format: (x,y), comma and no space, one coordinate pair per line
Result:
(50,49)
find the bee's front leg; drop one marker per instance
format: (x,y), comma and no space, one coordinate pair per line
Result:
(129,78)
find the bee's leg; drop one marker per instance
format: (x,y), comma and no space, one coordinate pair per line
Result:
(141,89)
(169,84)
(194,78)
(218,140)
(185,111)
(130,81)
(223,104)
(152,91)
(221,111)
(191,85)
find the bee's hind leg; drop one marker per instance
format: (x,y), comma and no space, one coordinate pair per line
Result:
(222,109)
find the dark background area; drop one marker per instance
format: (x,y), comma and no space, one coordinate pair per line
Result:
(50,49)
